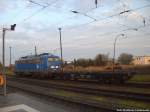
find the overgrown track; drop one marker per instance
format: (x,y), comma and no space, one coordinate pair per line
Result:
(138,85)
(111,91)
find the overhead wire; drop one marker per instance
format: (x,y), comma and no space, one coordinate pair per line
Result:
(128,29)
(43,7)
(147,0)
(93,9)
(85,24)
(14,17)
(114,15)
(38,11)
(144,19)
(84,13)
(35,13)
(36,3)
(126,11)
(114,32)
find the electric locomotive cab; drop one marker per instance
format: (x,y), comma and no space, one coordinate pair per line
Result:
(54,63)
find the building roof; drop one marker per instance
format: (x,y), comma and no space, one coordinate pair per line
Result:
(142,56)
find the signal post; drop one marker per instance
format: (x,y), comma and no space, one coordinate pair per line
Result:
(3,76)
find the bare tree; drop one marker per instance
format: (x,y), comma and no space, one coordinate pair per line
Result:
(125,58)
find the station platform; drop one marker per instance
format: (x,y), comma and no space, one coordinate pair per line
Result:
(17,101)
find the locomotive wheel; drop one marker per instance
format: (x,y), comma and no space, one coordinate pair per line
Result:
(1,80)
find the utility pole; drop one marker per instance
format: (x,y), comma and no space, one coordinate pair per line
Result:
(61,48)
(10,56)
(96,3)
(35,51)
(4,88)
(3,52)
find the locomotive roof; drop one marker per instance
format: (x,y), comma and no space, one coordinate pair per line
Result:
(40,55)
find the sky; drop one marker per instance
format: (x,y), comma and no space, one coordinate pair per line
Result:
(82,37)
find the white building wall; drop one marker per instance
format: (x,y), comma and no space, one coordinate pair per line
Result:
(141,60)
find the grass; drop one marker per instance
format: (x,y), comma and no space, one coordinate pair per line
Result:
(95,99)
(131,103)
(8,72)
(108,101)
(103,87)
(75,95)
(140,78)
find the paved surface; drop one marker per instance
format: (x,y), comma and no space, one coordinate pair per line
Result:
(19,101)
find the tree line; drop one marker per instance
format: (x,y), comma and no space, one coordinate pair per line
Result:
(103,60)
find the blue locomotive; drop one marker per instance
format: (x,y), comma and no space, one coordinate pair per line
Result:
(45,63)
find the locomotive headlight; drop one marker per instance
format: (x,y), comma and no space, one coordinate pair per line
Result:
(52,66)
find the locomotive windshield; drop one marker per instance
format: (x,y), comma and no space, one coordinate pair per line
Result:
(54,63)
(53,59)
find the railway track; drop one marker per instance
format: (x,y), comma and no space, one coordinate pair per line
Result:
(109,91)
(86,81)
(103,99)
(139,85)
(126,84)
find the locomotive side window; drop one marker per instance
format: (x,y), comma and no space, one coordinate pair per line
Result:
(50,59)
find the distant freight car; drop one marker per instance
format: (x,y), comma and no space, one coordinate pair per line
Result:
(43,65)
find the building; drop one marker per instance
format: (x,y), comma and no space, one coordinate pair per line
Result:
(141,60)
